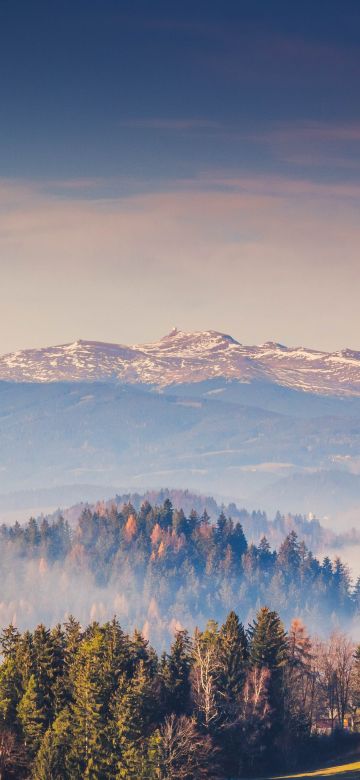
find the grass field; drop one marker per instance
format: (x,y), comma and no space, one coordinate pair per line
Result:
(342,772)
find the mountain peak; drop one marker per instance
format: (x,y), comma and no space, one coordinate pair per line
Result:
(187,357)
(202,336)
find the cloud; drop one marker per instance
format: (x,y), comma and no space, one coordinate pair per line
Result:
(310,131)
(282,187)
(303,143)
(259,257)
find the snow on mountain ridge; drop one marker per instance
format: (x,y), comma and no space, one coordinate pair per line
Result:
(183,357)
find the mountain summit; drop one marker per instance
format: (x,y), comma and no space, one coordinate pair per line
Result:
(186,357)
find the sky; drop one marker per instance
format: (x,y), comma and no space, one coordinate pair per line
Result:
(186,163)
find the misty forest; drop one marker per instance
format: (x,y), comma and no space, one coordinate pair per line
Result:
(160,569)
(206,671)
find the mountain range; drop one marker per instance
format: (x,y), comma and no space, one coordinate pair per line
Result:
(270,426)
(183,357)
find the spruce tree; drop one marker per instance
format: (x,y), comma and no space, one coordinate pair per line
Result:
(133,714)
(10,693)
(9,641)
(269,650)
(268,646)
(87,710)
(32,717)
(45,671)
(233,664)
(72,642)
(233,657)
(47,762)
(176,675)
(59,697)
(52,759)
(25,657)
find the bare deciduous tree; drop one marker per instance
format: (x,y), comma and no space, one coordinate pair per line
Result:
(334,665)
(12,755)
(206,668)
(185,753)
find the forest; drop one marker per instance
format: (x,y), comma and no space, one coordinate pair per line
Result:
(226,702)
(162,570)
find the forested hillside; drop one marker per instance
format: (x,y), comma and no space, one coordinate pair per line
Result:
(224,703)
(161,569)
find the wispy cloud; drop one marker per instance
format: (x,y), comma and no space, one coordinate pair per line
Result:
(310,131)
(112,268)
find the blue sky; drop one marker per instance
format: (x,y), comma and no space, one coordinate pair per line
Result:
(194,162)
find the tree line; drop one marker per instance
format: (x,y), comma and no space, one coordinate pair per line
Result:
(225,702)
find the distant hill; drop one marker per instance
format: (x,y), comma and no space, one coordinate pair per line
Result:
(255,522)
(268,426)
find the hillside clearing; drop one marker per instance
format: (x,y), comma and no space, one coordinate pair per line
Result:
(345,771)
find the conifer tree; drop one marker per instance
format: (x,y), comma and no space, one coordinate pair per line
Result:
(59,696)
(87,713)
(9,641)
(233,664)
(45,671)
(176,674)
(133,714)
(47,762)
(10,692)
(269,650)
(52,759)
(72,641)
(268,646)
(233,657)
(25,657)
(32,717)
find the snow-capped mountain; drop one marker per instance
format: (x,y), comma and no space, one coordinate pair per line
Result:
(182,357)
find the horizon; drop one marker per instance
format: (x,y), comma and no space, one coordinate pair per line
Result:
(174,331)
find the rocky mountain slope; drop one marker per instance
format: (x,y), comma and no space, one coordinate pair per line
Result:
(181,357)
